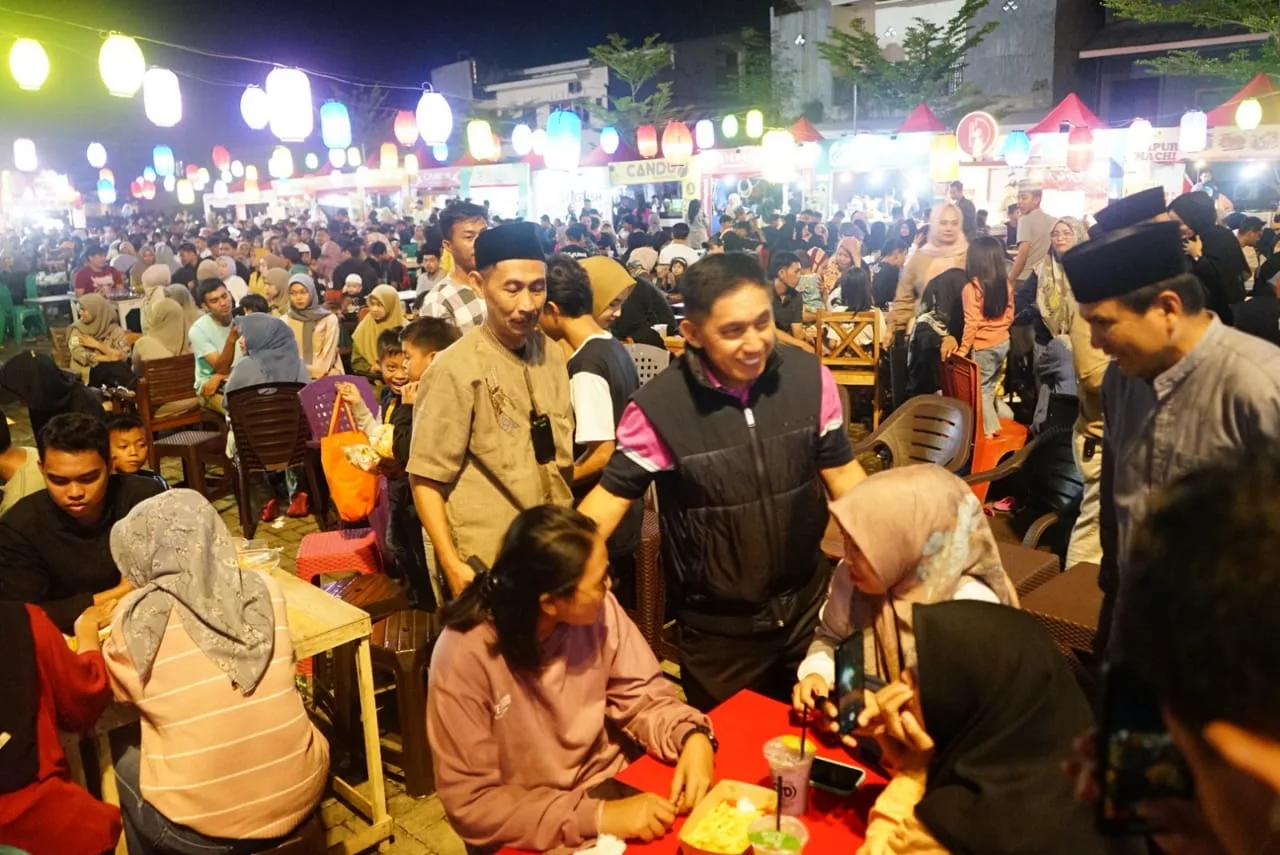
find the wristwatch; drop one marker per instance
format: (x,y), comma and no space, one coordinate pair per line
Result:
(705,731)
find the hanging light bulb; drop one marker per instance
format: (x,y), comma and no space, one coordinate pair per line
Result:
(704,133)
(411,164)
(388,157)
(755,124)
(677,143)
(162,97)
(29,64)
(335,124)
(522,139)
(435,118)
(186,193)
(440,151)
(1193,132)
(1249,114)
(312,162)
(24,155)
(289,98)
(729,127)
(405,128)
(539,142)
(354,158)
(337,157)
(237,169)
(121,64)
(97,155)
(255,108)
(162,157)
(609,139)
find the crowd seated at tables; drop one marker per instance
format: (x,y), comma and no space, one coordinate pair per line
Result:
(522,448)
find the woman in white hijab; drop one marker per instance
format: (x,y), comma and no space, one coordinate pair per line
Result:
(946,249)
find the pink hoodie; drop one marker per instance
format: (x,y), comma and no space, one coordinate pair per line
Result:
(515,756)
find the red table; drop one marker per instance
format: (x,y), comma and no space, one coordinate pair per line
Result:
(743,724)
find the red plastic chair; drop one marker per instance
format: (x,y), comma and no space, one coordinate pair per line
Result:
(962,380)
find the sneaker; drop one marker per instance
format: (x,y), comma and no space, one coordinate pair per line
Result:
(299,507)
(271,510)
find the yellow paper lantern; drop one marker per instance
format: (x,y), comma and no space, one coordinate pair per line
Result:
(250,173)
(411,164)
(1249,114)
(353,157)
(755,124)
(944,158)
(121,64)
(480,139)
(29,64)
(388,157)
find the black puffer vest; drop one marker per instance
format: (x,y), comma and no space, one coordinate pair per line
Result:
(744,511)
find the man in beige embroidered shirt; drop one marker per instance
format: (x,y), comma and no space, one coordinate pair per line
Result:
(494,432)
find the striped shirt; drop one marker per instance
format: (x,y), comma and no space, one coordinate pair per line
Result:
(219,762)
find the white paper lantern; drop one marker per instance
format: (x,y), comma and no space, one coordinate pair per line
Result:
(121,64)
(29,64)
(779,148)
(251,173)
(354,158)
(255,108)
(24,155)
(170,183)
(609,139)
(186,193)
(225,176)
(1193,132)
(1249,114)
(311,161)
(729,127)
(289,99)
(337,157)
(435,118)
(1140,135)
(281,163)
(704,133)
(162,97)
(522,139)
(202,177)
(96,154)
(237,169)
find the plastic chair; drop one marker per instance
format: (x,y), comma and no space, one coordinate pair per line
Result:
(650,361)
(271,436)
(926,429)
(317,399)
(962,380)
(22,313)
(651,591)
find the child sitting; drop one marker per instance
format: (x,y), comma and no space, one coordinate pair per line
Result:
(403,357)
(130,447)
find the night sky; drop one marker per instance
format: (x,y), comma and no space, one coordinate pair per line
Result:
(389,41)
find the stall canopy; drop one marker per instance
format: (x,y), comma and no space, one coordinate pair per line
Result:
(804,131)
(1260,87)
(1070,111)
(922,120)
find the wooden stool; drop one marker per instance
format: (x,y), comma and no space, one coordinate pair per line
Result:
(1028,569)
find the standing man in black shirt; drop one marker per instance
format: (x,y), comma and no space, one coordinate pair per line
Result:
(968,214)
(189,256)
(885,282)
(353,261)
(576,248)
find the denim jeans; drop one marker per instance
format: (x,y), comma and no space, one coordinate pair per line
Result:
(149,832)
(989,362)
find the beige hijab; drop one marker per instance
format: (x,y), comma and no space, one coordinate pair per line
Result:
(367,331)
(167,335)
(278,279)
(923,532)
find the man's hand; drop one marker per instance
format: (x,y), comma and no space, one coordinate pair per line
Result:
(409,393)
(210,387)
(1194,247)
(695,771)
(949,346)
(645,817)
(1185,829)
(809,692)
(458,573)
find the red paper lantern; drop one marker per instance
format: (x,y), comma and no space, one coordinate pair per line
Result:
(406,128)
(221,157)
(135,189)
(1080,149)
(192,171)
(647,141)
(677,143)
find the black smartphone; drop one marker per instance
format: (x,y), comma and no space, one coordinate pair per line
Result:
(851,682)
(840,779)
(544,441)
(1137,759)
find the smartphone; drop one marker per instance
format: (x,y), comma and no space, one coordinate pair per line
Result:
(851,682)
(1137,759)
(840,779)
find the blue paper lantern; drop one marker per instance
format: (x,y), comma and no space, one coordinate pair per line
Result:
(609,139)
(149,174)
(564,140)
(335,125)
(1017,149)
(162,157)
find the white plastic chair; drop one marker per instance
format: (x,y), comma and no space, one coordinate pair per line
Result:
(649,360)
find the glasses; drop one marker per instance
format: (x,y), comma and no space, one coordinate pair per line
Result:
(1060,234)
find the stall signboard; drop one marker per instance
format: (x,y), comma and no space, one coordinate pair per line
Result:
(445,179)
(657,171)
(977,135)
(1227,143)
(746,159)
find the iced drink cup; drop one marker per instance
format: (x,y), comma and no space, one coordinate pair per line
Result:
(786,762)
(790,841)
(660,329)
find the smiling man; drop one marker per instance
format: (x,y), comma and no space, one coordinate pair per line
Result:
(741,438)
(55,544)
(497,435)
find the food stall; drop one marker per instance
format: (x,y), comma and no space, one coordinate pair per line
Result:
(662,185)
(504,187)
(558,194)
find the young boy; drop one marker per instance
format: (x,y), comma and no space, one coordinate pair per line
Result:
(129,447)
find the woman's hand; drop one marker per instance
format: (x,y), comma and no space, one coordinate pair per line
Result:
(809,692)
(907,747)
(1194,247)
(645,817)
(695,771)
(949,346)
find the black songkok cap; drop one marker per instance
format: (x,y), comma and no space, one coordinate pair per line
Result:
(1131,210)
(508,242)
(1117,263)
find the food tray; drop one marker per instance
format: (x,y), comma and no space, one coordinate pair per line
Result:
(725,791)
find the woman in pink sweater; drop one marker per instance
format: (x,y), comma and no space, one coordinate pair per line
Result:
(541,689)
(988,314)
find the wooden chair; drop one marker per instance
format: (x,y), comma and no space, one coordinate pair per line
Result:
(962,380)
(271,436)
(851,362)
(166,400)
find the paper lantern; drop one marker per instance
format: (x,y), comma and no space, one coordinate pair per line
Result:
(337,157)
(29,64)
(1193,132)
(148,190)
(312,162)
(121,64)
(354,157)
(729,127)
(191,171)
(435,118)
(237,169)
(162,157)
(106,192)
(944,158)
(225,175)
(202,176)
(647,141)
(755,124)
(281,163)
(162,97)
(221,157)
(411,164)
(186,193)
(480,139)
(405,128)
(1017,149)
(251,173)
(522,139)
(107,175)
(609,139)
(219,188)
(388,157)
(24,155)
(1249,114)
(135,189)
(289,104)
(1080,149)
(97,155)
(149,174)
(255,109)
(440,151)
(704,133)
(539,141)
(677,143)
(335,124)
(251,189)
(170,183)
(1140,136)
(564,140)
(779,148)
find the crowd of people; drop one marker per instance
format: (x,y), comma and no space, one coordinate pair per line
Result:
(523,449)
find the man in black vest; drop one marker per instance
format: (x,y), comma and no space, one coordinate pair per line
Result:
(740,439)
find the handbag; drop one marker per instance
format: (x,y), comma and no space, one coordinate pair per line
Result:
(354,491)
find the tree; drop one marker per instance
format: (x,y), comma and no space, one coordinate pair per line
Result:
(765,78)
(635,66)
(933,54)
(1253,16)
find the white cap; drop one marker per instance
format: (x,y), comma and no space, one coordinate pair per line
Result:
(354,279)
(302,247)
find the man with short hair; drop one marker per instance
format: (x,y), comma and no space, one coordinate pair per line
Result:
(678,248)
(576,235)
(1182,389)
(884,284)
(955,193)
(497,436)
(430,271)
(97,277)
(188,258)
(740,438)
(1248,234)
(354,263)
(788,305)
(213,341)
(55,545)
(389,269)
(455,299)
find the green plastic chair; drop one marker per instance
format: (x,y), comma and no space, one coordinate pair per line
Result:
(21,314)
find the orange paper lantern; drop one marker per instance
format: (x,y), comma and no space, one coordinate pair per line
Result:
(647,141)
(677,143)
(406,128)
(1080,149)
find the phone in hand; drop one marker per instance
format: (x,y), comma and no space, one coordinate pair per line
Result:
(840,779)
(1137,759)
(851,683)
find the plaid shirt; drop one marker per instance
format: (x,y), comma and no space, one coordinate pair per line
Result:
(457,304)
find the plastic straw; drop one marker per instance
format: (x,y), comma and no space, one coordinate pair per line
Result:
(777,814)
(804,728)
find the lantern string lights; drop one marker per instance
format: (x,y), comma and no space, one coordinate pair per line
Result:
(1139,136)
(1193,132)
(1249,114)
(609,139)
(944,158)
(388,157)
(704,133)
(1017,149)
(647,141)
(121,64)
(480,140)
(755,124)
(337,157)
(24,155)
(162,157)
(96,154)
(729,127)
(522,139)
(564,140)
(29,64)
(1080,149)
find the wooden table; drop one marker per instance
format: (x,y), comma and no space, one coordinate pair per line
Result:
(317,623)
